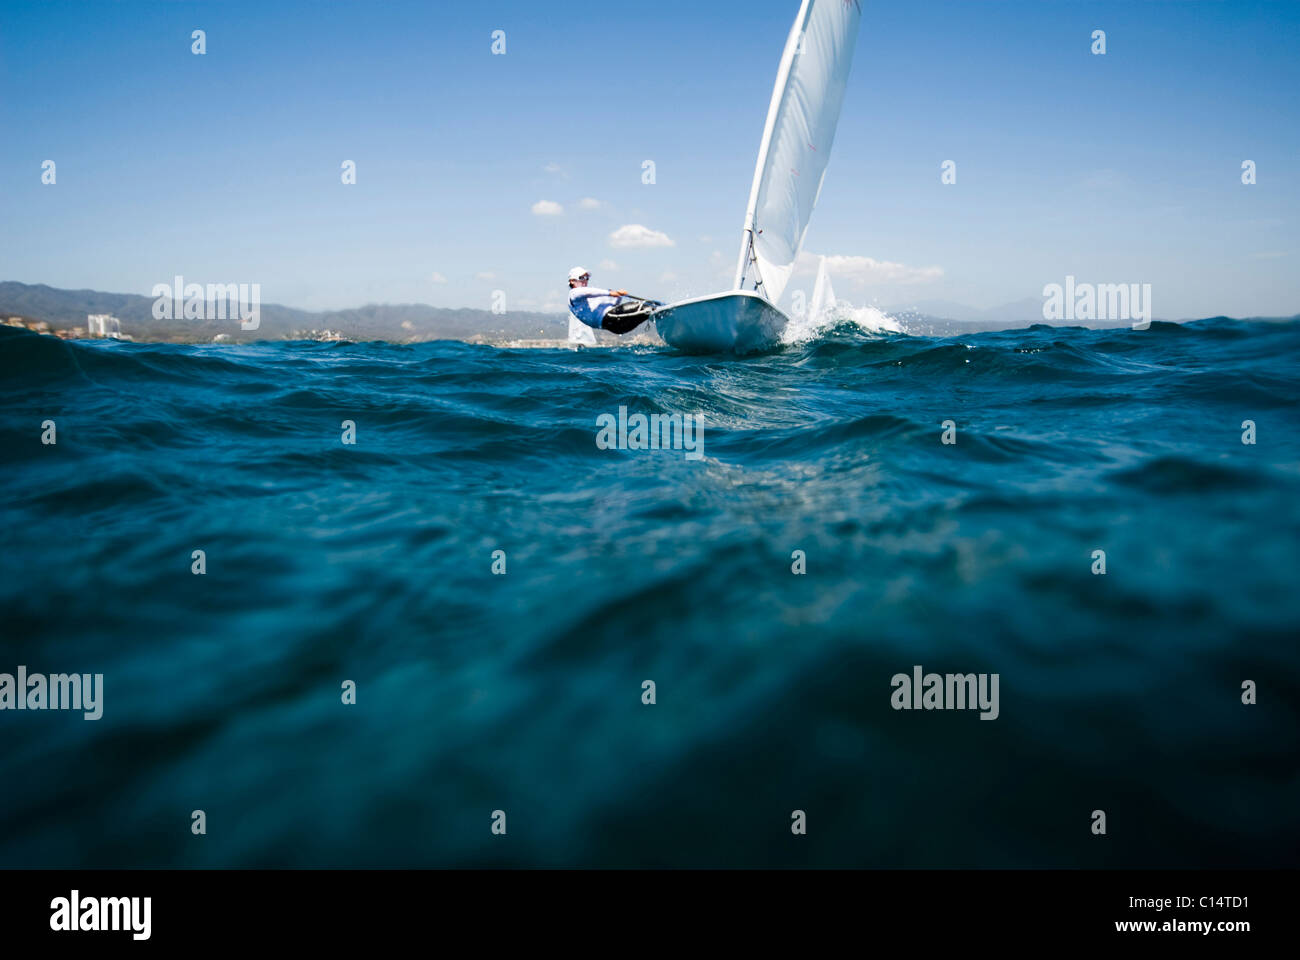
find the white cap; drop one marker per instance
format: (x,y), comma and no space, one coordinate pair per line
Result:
(577,273)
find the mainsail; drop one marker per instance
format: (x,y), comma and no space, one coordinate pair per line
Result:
(796,142)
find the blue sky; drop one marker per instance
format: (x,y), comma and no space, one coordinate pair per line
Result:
(226,167)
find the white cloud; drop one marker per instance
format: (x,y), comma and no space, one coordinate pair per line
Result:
(635,235)
(485,275)
(547,208)
(667,277)
(588,203)
(553,167)
(607,264)
(438,277)
(869,270)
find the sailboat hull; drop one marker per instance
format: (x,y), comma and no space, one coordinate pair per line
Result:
(736,322)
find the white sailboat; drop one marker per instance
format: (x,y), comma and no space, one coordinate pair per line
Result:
(580,335)
(792,158)
(823,298)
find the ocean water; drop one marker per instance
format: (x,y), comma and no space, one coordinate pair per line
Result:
(522,692)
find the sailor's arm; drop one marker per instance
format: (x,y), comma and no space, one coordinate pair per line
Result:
(598,292)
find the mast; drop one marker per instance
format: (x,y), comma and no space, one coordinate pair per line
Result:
(778,95)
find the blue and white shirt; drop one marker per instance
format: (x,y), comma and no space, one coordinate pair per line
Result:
(589,304)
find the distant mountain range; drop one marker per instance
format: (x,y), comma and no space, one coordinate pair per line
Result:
(946,318)
(1019,313)
(67,309)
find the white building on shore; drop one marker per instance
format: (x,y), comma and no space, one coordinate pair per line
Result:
(103,325)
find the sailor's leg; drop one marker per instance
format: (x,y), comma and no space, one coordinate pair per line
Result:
(623,323)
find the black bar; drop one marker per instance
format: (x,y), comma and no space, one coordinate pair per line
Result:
(332,909)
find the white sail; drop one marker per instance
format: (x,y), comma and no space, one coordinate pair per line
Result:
(796,142)
(823,298)
(580,333)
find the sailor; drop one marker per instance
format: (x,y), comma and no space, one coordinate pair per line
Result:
(592,305)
